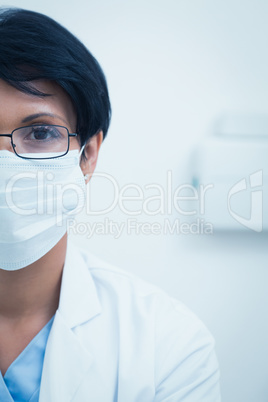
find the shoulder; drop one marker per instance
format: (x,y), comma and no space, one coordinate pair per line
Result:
(152,323)
(128,287)
(134,292)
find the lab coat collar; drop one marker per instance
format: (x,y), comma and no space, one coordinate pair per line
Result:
(79,301)
(67,362)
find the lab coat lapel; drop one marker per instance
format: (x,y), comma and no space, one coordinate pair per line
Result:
(66,361)
(65,365)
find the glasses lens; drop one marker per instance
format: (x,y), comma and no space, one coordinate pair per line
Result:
(43,139)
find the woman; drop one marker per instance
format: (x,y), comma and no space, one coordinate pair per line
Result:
(73,328)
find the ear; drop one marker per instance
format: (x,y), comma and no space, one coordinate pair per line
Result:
(90,155)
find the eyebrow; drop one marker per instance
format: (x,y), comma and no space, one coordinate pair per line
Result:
(36,115)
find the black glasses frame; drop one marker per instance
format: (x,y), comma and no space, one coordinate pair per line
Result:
(39,125)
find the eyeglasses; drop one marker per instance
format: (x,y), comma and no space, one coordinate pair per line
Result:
(40,138)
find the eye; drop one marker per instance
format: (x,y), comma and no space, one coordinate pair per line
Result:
(40,138)
(43,133)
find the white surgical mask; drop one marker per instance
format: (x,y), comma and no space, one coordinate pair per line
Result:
(37,197)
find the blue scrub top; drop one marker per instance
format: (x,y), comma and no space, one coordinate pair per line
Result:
(22,379)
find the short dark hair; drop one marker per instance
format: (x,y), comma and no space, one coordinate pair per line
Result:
(34,46)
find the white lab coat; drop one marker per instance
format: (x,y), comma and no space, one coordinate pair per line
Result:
(118,338)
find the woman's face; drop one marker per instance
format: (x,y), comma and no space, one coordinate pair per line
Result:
(18,109)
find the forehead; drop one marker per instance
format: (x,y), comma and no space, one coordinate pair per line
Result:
(15,105)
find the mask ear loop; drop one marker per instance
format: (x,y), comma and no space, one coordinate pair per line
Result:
(81,151)
(86,176)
